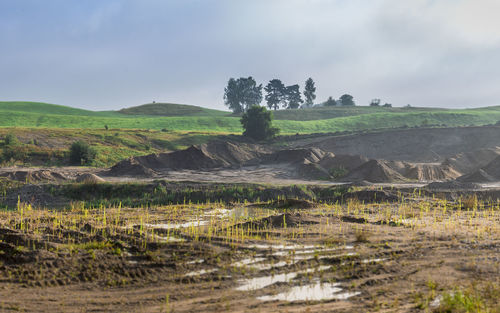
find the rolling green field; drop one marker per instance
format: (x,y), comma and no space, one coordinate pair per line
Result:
(192,118)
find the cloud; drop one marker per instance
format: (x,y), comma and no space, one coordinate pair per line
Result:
(109,54)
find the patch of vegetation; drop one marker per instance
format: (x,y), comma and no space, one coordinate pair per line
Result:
(473,299)
(163,193)
(338,172)
(81,153)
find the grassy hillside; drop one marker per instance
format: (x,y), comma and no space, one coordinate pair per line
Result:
(47,108)
(171,109)
(22,114)
(50,146)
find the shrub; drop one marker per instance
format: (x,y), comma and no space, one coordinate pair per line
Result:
(257,122)
(82,153)
(11,140)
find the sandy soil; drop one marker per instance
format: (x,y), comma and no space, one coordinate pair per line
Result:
(247,258)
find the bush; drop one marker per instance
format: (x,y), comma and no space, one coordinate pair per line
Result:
(11,140)
(257,122)
(81,153)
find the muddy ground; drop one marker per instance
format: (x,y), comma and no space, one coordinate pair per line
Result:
(274,256)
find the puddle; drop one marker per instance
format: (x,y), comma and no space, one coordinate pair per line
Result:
(249,261)
(306,251)
(262,282)
(314,292)
(169,239)
(196,261)
(373,260)
(177,226)
(218,212)
(249,212)
(201,272)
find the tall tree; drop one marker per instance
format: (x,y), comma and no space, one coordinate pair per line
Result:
(240,94)
(309,92)
(293,96)
(347,100)
(275,94)
(232,96)
(257,122)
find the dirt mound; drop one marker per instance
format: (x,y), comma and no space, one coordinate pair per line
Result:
(312,171)
(452,185)
(89,179)
(217,154)
(493,168)
(130,167)
(280,221)
(291,204)
(311,155)
(345,161)
(375,171)
(370,196)
(34,176)
(479,176)
(489,173)
(469,162)
(429,172)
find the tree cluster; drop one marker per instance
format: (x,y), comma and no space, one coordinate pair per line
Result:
(242,93)
(344,100)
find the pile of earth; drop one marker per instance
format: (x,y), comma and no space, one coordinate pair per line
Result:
(88,178)
(216,154)
(488,173)
(279,221)
(453,185)
(34,176)
(308,163)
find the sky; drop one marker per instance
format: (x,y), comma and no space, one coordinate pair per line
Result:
(110,54)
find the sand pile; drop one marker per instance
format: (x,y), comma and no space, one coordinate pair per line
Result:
(34,176)
(375,171)
(216,154)
(306,163)
(471,161)
(89,179)
(488,173)
(311,155)
(453,185)
(348,162)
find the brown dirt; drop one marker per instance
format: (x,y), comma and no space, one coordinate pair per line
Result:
(34,176)
(89,179)
(394,267)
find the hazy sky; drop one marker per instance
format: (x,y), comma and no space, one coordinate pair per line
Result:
(109,54)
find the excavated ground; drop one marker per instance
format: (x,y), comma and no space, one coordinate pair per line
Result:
(467,154)
(250,258)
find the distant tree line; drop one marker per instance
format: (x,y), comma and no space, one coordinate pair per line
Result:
(243,93)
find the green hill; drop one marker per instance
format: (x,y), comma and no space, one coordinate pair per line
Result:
(177,117)
(171,109)
(47,108)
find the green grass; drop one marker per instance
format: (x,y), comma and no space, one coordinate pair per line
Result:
(317,120)
(171,109)
(50,146)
